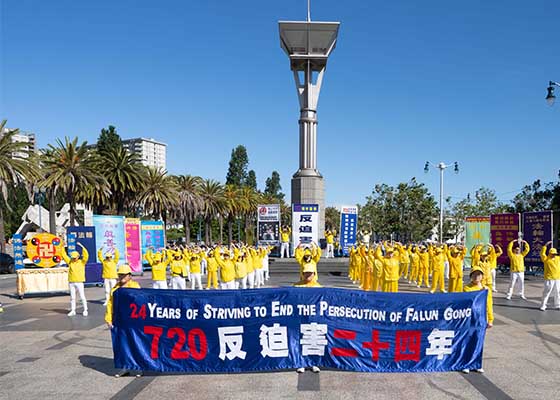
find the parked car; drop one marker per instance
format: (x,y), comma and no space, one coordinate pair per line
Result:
(6,264)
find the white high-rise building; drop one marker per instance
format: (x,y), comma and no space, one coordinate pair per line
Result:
(24,137)
(151,152)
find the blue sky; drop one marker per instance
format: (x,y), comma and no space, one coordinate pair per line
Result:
(408,82)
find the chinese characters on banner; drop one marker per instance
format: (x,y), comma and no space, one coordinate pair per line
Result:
(133,248)
(286,328)
(153,235)
(348,227)
(268,224)
(305,223)
(537,231)
(17,242)
(84,235)
(477,230)
(504,228)
(71,242)
(109,234)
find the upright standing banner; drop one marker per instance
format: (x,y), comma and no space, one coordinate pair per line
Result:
(153,235)
(305,223)
(504,228)
(288,328)
(268,224)
(537,231)
(109,234)
(348,227)
(84,235)
(71,242)
(17,244)
(133,246)
(477,230)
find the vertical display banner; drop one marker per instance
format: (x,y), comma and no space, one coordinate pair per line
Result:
(348,227)
(477,230)
(153,235)
(268,224)
(305,223)
(109,234)
(17,243)
(84,235)
(133,247)
(537,230)
(504,228)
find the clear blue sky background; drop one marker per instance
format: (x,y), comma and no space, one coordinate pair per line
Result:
(408,82)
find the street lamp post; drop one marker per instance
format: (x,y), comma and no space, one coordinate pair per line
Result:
(442,167)
(550,97)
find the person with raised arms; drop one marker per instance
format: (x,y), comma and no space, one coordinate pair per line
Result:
(109,271)
(517,266)
(76,277)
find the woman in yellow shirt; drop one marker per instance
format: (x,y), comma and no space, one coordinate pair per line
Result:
(76,277)
(159,263)
(109,272)
(551,276)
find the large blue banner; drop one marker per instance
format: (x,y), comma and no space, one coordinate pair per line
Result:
(537,231)
(286,328)
(84,235)
(109,234)
(17,242)
(348,228)
(152,235)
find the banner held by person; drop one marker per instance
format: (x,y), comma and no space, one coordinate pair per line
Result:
(133,247)
(537,230)
(153,235)
(268,224)
(504,228)
(348,227)
(305,223)
(109,234)
(477,230)
(287,328)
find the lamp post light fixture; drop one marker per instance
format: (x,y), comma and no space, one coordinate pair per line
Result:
(442,167)
(550,97)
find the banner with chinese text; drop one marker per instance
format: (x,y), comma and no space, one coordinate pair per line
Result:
(153,235)
(537,231)
(477,230)
(109,234)
(268,224)
(84,235)
(286,328)
(348,227)
(133,247)
(17,242)
(504,228)
(305,223)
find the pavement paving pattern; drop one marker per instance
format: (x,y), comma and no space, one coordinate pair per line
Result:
(44,354)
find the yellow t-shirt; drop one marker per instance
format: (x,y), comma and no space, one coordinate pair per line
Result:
(109,309)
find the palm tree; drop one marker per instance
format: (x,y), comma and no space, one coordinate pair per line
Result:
(69,168)
(15,167)
(191,200)
(212,193)
(160,193)
(125,173)
(234,204)
(251,199)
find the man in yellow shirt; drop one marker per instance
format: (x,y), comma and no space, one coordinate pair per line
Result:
(308,256)
(494,252)
(438,256)
(76,277)
(109,273)
(329,237)
(390,262)
(227,268)
(159,263)
(551,276)
(517,267)
(179,269)
(285,239)
(455,257)
(212,270)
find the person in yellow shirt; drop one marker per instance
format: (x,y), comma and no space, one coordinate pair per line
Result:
(240,268)
(494,252)
(404,260)
(390,262)
(109,272)
(424,269)
(551,263)
(266,263)
(377,271)
(285,242)
(179,269)
(329,238)
(438,258)
(76,277)
(195,267)
(455,257)
(212,270)
(517,266)
(159,263)
(475,254)
(308,256)
(352,264)
(368,273)
(227,267)
(124,281)
(477,277)
(414,265)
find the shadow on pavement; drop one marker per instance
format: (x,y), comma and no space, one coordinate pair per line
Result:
(99,364)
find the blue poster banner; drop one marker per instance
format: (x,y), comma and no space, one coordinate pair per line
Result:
(348,228)
(153,235)
(109,234)
(86,236)
(17,244)
(537,231)
(286,328)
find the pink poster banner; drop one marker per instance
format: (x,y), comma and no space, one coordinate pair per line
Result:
(133,248)
(503,229)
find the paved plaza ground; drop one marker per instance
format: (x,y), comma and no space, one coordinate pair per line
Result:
(44,354)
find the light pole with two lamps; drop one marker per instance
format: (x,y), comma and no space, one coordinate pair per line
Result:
(442,167)
(550,97)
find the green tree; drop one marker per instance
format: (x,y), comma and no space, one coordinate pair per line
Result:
(251,180)
(108,139)
(68,169)
(534,197)
(191,200)
(19,201)
(234,204)
(238,163)
(273,187)
(159,195)
(332,218)
(212,193)
(486,203)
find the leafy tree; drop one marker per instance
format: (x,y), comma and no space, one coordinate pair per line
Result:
(109,139)
(212,194)
(332,218)
(534,197)
(237,171)
(191,200)
(273,187)
(251,180)
(486,203)
(159,194)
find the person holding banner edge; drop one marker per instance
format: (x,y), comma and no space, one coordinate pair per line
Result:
(109,272)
